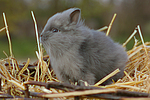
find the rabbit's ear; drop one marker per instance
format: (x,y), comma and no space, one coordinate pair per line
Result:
(75,16)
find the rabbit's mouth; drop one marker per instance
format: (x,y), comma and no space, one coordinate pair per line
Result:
(44,36)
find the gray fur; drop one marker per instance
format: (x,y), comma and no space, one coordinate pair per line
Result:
(79,53)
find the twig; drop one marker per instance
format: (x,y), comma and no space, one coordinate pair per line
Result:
(103,28)
(131,36)
(9,40)
(27,91)
(36,31)
(78,93)
(2,29)
(110,25)
(91,91)
(8,36)
(0,84)
(5,96)
(24,68)
(39,54)
(138,27)
(107,77)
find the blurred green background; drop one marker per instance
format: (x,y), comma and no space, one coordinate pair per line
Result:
(96,13)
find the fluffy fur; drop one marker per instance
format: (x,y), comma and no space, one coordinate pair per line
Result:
(79,53)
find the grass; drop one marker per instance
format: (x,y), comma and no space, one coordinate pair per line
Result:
(22,48)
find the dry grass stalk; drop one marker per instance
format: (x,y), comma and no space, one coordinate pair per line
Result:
(78,93)
(138,27)
(103,28)
(42,64)
(110,25)
(2,29)
(131,36)
(9,41)
(107,77)
(7,31)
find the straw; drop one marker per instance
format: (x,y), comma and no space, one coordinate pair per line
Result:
(110,25)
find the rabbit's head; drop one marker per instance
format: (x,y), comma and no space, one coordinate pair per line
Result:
(58,33)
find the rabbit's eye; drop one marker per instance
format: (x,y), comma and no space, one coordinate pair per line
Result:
(55,30)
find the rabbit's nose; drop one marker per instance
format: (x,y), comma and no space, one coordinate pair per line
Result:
(41,35)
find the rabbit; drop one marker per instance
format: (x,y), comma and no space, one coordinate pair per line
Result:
(80,53)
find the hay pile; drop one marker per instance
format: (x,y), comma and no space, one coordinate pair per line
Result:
(16,78)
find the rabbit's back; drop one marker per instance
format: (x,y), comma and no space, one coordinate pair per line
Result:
(102,56)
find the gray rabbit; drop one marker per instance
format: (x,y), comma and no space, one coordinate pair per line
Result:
(79,53)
